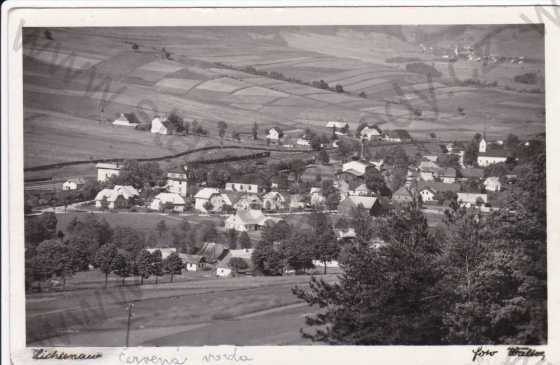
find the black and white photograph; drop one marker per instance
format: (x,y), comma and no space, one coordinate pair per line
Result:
(285,185)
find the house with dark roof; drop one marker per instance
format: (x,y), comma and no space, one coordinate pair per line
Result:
(193,262)
(449,175)
(370,203)
(472,172)
(403,195)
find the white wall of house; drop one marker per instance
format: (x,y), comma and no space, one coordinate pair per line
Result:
(484,161)
(69,185)
(427,195)
(223,272)
(246,188)
(104,174)
(191,266)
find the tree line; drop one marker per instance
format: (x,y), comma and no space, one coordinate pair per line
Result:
(474,279)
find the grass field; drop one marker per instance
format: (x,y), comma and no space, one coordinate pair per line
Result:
(63,97)
(197,309)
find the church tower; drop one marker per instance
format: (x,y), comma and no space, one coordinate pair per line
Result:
(482,145)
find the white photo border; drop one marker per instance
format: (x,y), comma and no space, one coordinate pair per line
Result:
(187,13)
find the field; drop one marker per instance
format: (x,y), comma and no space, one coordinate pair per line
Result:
(197,309)
(69,103)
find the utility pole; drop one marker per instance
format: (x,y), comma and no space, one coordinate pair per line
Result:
(130,306)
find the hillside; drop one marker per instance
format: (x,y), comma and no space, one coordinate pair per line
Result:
(76,83)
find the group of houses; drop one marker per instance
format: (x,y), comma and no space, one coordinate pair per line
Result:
(213,257)
(429,179)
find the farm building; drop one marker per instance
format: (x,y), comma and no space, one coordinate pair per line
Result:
(243,188)
(193,262)
(353,201)
(212,196)
(106,170)
(245,220)
(470,199)
(226,266)
(274,200)
(73,184)
(125,120)
(160,126)
(165,251)
(172,200)
(177,182)
(371,133)
(117,197)
(492,183)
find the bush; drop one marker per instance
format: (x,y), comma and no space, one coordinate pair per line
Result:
(143,127)
(526,78)
(422,68)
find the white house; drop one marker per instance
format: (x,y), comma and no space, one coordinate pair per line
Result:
(106,170)
(162,199)
(245,220)
(274,134)
(212,195)
(303,142)
(427,194)
(337,125)
(118,197)
(224,268)
(165,251)
(122,120)
(73,184)
(160,126)
(193,262)
(273,200)
(247,201)
(316,199)
(244,188)
(370,133)
(177,182)
(470,199)
(492,183)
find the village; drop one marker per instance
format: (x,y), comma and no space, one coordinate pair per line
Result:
(470,174)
